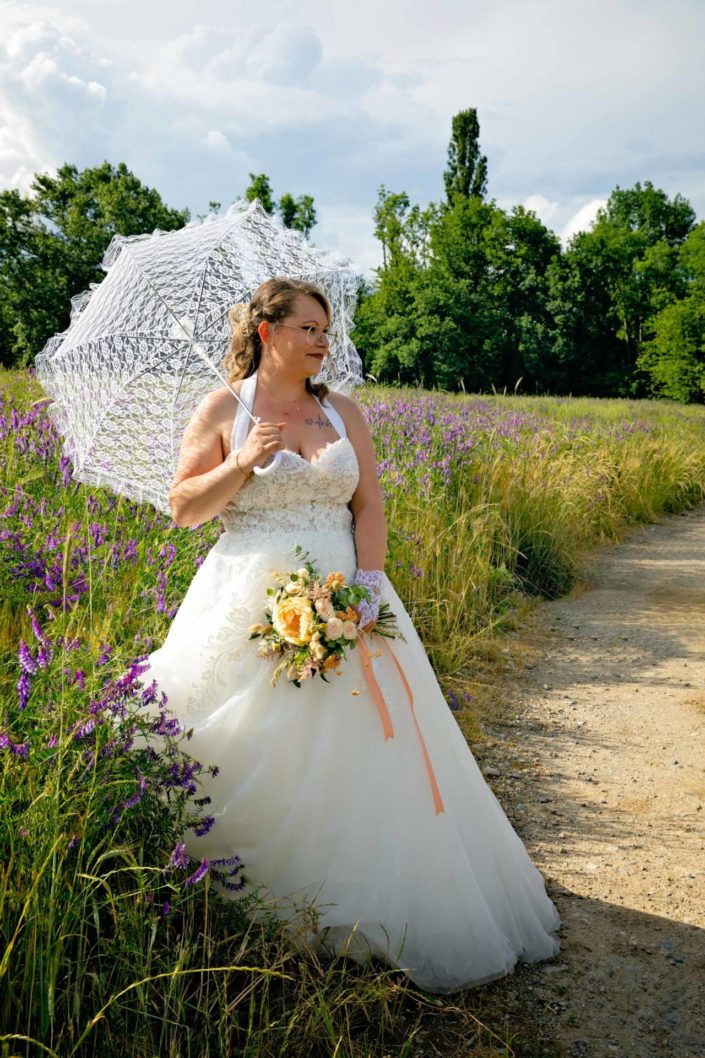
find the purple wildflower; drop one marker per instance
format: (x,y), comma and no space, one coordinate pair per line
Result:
(180,857)
(204,826)
(199,873)
(39,635)
(106,651)
(24,685)
(27,662)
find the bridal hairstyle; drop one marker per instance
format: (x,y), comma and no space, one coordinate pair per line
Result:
(273,300)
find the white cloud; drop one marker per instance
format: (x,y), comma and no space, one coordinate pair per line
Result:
(546,211)
(215,138)
(582,220)
(334,99)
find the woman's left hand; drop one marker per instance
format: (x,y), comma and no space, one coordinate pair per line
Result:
(369,609)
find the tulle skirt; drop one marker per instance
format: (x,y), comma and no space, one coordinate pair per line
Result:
(324,809)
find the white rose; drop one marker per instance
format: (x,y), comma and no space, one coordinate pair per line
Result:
(349,629)
(334,628)
(324,608)
(318,651)
(303,573)
(294,588)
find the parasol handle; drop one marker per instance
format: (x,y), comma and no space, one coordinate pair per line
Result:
(197,349)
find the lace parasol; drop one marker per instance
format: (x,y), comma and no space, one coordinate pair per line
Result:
(146,344)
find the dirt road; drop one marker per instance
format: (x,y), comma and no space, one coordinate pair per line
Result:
(599,761)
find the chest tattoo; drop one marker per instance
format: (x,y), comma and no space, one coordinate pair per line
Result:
(319,422)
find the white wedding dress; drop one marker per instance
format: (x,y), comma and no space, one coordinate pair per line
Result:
(310,793)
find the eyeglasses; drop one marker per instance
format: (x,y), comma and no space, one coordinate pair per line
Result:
(313,334)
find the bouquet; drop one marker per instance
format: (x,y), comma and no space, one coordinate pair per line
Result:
(310,623)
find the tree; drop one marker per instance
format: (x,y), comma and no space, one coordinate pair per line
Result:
(466,172)
(588,357)
(52,243)
(611,284)
(649,212)
(673,357)
(259,187)
(481,312)
(385,321)
(401,228)
(298,213)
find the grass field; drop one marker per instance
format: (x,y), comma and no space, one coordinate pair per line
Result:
(107,932)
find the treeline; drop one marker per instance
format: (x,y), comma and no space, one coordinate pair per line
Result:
(471,296)
(468,295)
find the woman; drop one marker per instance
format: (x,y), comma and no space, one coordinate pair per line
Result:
(391,832)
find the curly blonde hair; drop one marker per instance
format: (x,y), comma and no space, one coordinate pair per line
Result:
(272,301)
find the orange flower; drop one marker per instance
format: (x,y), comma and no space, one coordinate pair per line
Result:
(351,615)
(335,581)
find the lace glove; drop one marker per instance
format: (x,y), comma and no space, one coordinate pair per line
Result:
(372,580)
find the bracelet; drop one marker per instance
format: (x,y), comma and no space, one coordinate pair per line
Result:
(236,461)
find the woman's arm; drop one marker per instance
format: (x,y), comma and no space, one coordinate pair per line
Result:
(204,482)
(367,503)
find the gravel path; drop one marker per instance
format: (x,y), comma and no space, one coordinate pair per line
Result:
(600,764)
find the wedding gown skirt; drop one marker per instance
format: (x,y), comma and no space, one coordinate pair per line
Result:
(310,794)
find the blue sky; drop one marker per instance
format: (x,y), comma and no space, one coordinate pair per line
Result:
(334,99)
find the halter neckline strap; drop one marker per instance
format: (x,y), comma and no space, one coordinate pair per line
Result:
(241,423)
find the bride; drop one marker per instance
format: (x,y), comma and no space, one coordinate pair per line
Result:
(388,831)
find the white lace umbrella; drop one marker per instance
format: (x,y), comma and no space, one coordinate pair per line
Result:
(146,344)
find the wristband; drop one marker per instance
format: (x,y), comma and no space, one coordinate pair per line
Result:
(372,580)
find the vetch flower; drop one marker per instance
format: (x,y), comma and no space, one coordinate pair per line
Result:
(204,826)
(27,661)
(180,857)
(199,873)
(24,685)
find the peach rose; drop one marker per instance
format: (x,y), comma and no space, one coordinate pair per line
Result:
(260,628)
(293,620)
(349,630)
(334,628)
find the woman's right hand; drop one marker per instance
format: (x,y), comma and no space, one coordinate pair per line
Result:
(263,440)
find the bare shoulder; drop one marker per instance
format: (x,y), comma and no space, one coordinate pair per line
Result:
(220,402)
(215,415)
(348,408)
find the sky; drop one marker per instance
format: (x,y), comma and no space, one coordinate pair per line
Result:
(334,99)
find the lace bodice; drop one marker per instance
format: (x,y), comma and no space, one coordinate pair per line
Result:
(291,490)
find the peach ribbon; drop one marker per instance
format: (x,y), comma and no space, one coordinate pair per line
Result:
(384,711)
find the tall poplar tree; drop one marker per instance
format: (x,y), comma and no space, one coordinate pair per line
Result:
(466,172)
